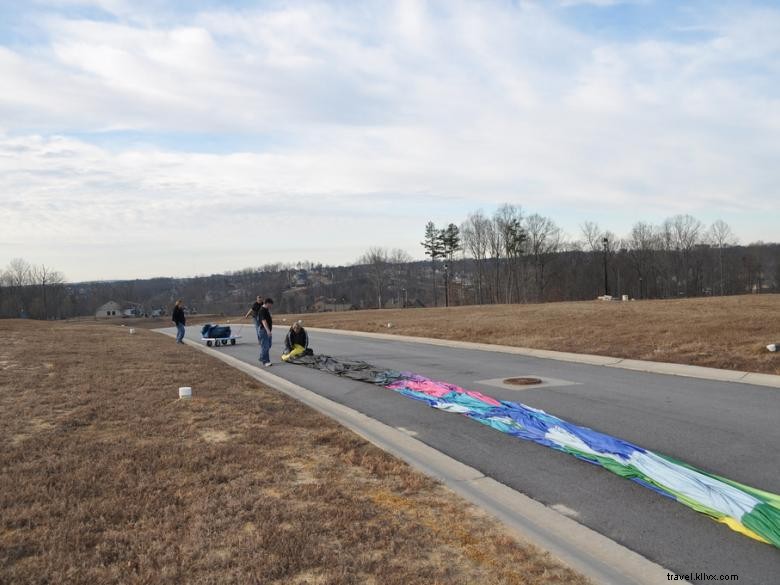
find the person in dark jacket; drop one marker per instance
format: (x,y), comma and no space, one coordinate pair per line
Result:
(254,311)
(266,326)
(296,342)
(177,316)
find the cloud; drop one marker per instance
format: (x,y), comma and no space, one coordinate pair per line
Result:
(601,3)
(407,111)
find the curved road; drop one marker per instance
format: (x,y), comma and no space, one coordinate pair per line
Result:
(727,428)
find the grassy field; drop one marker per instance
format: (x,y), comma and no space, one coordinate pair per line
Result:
(727,332)
(108,478)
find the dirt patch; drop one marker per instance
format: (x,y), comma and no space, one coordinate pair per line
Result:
(215,436)
(107,477)
(724,332)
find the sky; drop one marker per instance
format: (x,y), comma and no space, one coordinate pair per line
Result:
(147,138)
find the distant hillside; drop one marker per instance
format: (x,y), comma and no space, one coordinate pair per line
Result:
(569,274)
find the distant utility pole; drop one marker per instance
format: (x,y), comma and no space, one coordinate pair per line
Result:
(605,241)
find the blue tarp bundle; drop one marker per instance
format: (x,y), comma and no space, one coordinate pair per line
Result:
(215,331)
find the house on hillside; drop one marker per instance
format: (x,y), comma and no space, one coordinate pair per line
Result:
(324,305)
(301,278)
(109,310)
(132,310)
(114,310)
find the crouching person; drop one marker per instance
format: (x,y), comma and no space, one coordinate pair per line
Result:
(296,343)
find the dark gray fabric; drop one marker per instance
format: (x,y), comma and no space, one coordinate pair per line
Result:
(355,370)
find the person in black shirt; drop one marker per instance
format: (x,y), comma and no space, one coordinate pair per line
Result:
(177,316)
(254,311)
(296,342)
(264,331)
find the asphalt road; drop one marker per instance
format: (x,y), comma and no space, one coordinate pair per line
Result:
(730,429)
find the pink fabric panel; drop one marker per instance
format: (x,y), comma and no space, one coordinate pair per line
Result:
(438,389)
(425,386)
(486,399)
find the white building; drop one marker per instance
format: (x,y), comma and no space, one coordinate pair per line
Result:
(110,310)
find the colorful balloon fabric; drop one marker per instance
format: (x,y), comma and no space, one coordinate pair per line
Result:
(752,512)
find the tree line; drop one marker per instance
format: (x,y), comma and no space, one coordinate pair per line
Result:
(28,290)
(508,256)
(511,257)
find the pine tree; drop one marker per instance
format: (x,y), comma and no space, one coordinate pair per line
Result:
(450,239)
(434,248)
(450,242)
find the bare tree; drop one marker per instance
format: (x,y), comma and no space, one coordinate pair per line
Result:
(19,275)
(399,256)
(721,235)
(591,236)
(544,239)
(683,233)
(19,272)
(642,244)
(508,224)
(495,240)
(48,280)
(377,258)
(601,246)
(398,260)
(476,239)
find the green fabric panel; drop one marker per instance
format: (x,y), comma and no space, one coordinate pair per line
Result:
(764,519)
(768,497)
(630,472)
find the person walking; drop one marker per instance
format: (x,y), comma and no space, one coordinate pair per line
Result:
(254,311)
(177,316)
(266,326)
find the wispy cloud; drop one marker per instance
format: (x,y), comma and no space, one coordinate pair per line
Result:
(378,115)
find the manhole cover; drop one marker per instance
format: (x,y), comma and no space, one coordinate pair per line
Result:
(522,381)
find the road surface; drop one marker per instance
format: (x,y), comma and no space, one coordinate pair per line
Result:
(727,428)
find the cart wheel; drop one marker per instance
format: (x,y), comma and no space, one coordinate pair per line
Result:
(208,343)
(232,342)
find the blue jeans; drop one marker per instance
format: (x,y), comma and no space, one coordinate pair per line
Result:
(258,327)
(265,345)
(179,331)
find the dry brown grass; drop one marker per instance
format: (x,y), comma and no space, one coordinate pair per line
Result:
(728,332)
(108,478)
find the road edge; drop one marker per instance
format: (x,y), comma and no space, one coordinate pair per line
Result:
(584,550)
(700,372)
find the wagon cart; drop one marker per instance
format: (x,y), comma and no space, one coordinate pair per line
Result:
(217,341)
(217,336)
